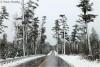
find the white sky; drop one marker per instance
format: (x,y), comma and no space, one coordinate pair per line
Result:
(52,9)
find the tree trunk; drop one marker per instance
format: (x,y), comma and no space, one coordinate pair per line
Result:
(88,40)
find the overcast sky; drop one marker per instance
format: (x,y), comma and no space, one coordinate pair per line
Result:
(52,9)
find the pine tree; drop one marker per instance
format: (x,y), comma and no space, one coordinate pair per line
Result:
(86,17)
(42,36)
(3,47)
(28,30)
(33,21)
(3,15)
(57,29)
(94,41)
(74,38)
(34,33)
(64,31)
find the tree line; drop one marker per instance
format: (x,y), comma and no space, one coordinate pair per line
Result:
(79,41)
(30,36)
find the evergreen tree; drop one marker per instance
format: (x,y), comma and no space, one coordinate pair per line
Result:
(64,31)
(34,33)
(86,17)
(57,29)
(30,22)
(42,36)
(3,47)
(29,26)
(3,15)
(74,38)
(94,41)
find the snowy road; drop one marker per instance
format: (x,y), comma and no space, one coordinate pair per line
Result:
(20,62)
(49,61)
(53,61)
(32,63)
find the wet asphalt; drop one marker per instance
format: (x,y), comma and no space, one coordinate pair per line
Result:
(48,61)
(54,61)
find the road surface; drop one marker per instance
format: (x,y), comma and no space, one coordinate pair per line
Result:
(53,61)
(49,61)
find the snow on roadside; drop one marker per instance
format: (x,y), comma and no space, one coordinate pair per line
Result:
(55,53)
(51,52)
(1,59)
(21,61)
(77,61)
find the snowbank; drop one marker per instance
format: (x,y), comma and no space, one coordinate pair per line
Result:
(11,64)
(1,59)
(52,52)
(55,53)
(49,53)
(77,61)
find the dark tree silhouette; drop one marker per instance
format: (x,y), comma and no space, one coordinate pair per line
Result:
(3,15)
(29,28)
(3,46)
(64,31)
(57,29)
(94,41)
(74,38)
(86,17)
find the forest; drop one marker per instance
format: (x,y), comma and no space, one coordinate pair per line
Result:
(30,36)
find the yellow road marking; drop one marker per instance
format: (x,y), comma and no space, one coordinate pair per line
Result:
(43,63)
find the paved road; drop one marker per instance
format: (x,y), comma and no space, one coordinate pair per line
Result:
(53,61)
(49,61)
(33,63)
